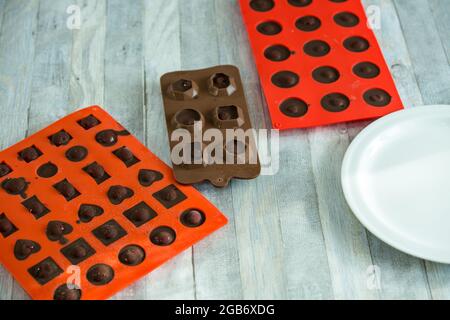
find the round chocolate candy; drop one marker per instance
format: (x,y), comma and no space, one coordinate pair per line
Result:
(63,292)
(15,186)
(107,138)
(285,79)
(356,44)
(346,19)
(326,74)
(377,97)
(192,218)
(132,255)
(316,48)
(100,274)
(117,194)
(162,236)
(78,252)
(109,232)
(57,229)
(148,177)
(335,102)
(308,23)
(76,154)
(47,170)
(124,154)
(269,28)
(262,5)
(300,3)
(5,226)
(277,53)
(170,195)
(367,70)
(24,248)
(141,214)
(4,169)
(61,138)
(89,122)
(294,108)
(29,154)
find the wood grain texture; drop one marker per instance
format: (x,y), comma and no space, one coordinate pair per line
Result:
(291,235)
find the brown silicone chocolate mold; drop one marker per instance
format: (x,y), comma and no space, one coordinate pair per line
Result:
(207,99)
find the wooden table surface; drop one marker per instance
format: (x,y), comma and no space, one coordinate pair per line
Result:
(290,236)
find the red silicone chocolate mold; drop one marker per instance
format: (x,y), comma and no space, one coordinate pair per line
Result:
(318,61)
(83,192)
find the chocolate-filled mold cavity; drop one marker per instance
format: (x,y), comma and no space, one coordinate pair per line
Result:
(78,251)
(294,107)
(183,89)
(15,186)
(97,172)
(25,248)
(89,122)
(100,274)
(109,232)
(148,177)
(317,48)
(356,44)
(132,255)
(367,70)
(61,138)
(118,194)
(285,79)
(221,84)
(346,19)
(30,154)
(45,271)
(169,196)
(262,5)
(335,102)
(5,169)
(326,74)
(109,137)
(192,218)
(140,214)
(35,207)
(47,170)
(66,293)
(300,3)
(57,230)
(67,190)
(220,106)
(277,53)
(308,23)
(87,212)
(77,154)
(269,28)
(163,236)
(126,156)
(377,97)
(7,228)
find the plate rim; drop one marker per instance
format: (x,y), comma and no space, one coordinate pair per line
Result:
(345,180)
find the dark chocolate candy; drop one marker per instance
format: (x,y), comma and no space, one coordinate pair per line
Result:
(7,228)
(47,170)
(60,138)
(97,172)
(192,218)
(346,19)
(35,207)
(140,214)
(89,122)
(317,48)
(109,232)
(78,251)
(4,169)
(377,97)
(367,70)
(308,23)
(87,212)
(285,79)
(110,137)
(300,3)
(326,74)
(45,271)
(127,157)
(335,102)
(294,107)
(67,190)
(132,255)
(64,292)
(277,53)
(147,177)
(24,248)
(162,236)
(100,274)
(262,5)
(56,230)
(356,44)
(77,153)
(15,186)
(118,194)
(30,154)
(169,196)
(269,28)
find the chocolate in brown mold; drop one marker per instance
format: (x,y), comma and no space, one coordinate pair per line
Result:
(262,5)
(356,44)
(377,97)
(16,186)
(269,28)
(147,177)
(64,292)
(25,248)
(294,107)
(169,196)
(77,153)
(47,170)
(118,194)
(109,137)
(300,3)
(60,138)
(192,218)
(56,230)
(35,207)
(45,271)
(78,251)
(87,212)
(127,157)
(89,122)
(67,190)
(109,232)
(100,274)
(346,19)
(335,102)
(97,172)
(366,70)
(4,169)
(30,154)
(163,236)
(317,48)
(308,23)
(219,104)
(325,74)
(7,228)
(183,89)
(132,255)
(140,214)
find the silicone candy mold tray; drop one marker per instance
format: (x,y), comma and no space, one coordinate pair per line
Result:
(319,63)
(83,192)
(211,99)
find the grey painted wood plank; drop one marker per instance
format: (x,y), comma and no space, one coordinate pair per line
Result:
(17,47)
(161,41)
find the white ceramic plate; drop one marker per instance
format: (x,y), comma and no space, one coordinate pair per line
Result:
(396,179)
